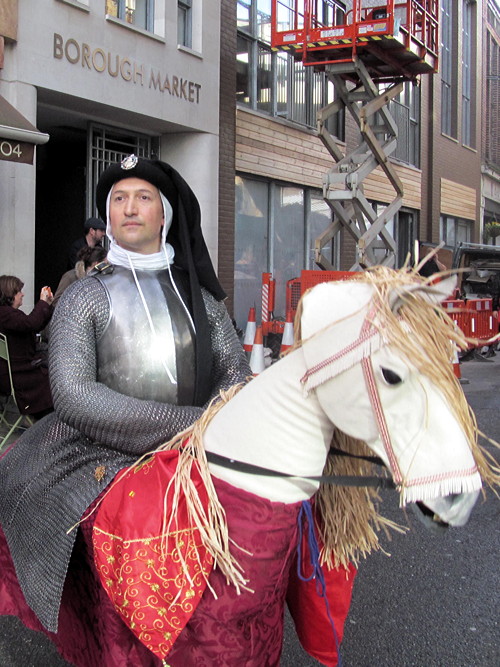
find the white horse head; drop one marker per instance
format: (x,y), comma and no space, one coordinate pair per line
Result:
(372,391)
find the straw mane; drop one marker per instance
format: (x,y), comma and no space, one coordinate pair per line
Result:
(347,517)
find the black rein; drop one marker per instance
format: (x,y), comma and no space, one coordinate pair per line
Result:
(339,480)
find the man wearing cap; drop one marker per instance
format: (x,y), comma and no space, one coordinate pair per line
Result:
(136,353)
(95,230)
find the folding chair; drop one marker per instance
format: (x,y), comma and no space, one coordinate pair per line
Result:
(10,402)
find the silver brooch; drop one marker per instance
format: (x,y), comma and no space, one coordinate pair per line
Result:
(129,162)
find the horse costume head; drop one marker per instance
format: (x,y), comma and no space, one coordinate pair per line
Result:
(387,348)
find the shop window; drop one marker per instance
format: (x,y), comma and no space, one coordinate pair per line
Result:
(319,218)
(276,226)
(288,225)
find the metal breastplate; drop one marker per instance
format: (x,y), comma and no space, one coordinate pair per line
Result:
(150,358)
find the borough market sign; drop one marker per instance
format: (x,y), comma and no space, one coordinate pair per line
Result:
(116,66)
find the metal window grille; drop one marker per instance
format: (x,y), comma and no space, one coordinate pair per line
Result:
(107,146)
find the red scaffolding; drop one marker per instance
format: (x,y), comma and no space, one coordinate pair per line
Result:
(393,39)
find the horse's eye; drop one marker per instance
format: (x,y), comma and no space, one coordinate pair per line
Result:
(390,376)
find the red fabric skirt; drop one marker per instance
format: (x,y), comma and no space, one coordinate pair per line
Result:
(245,629)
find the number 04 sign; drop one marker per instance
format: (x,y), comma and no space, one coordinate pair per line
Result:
(16,151)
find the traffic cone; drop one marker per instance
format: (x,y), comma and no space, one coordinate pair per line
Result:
(249,332)
(287,338)
(456,365)
(257,356)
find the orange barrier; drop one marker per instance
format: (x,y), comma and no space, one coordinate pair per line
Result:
(474,317)
(296,287)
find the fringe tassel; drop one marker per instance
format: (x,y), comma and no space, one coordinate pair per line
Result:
(446,487)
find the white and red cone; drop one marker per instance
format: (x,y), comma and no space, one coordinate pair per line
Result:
(287,338)
(456,365)
(249,332)
(257,364)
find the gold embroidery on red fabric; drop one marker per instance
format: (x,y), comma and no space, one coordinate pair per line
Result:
(147,586)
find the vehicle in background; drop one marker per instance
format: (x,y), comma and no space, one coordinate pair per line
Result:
(479,275)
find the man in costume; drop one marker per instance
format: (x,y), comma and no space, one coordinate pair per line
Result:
(136,352)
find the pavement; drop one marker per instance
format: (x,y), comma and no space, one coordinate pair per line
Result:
(427,599)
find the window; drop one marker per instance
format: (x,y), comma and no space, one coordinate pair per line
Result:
(448,92)
(492,142)
(139,13)
(274,82)
(108,145)
(402,228)
(276,226)
(455,230)
(467,73)
(405,110)
(184,23)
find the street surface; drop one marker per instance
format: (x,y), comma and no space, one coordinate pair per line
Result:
(434,602)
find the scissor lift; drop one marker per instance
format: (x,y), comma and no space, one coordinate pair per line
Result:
(368,51)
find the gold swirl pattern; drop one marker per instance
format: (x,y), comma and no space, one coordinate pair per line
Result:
(148,586)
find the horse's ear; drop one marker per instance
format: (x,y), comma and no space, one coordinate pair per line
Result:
(430,292)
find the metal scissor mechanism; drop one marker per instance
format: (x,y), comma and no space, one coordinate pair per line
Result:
(343,184)
(367,50)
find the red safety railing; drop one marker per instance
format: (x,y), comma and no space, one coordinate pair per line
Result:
(296,287)
(474,317)
(315,29)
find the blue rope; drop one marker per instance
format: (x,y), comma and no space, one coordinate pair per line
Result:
(317,571)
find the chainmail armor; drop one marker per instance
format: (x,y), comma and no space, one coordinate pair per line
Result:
(51,475)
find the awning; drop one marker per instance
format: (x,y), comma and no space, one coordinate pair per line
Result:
(15,127)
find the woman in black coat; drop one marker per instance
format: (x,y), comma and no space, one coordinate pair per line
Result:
(29,368)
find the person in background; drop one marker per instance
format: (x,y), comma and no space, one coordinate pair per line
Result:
(87,259)
(28,365)
(432,265)
(95,230)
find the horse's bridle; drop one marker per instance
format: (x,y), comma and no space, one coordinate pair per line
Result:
(338,480)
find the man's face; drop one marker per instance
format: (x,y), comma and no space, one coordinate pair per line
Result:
(97,234)
(136,215)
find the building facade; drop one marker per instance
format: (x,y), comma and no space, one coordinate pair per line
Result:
(101,78)
(490,135)
(281,163)
(198,84)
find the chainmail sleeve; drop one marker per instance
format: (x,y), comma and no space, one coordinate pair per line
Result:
(101,414)
(230,365)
